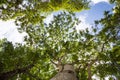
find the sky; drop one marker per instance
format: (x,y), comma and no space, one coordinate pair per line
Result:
(9,30)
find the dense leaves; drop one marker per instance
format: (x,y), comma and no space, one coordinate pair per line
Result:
(111,33)
(93,53)
(27,12)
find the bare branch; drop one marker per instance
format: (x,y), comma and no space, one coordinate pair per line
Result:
(102,49)
(53,62)
(89,68)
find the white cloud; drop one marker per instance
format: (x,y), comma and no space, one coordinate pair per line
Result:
(48,18)
(15,36)
(83,24)
(9,30)
(97,1)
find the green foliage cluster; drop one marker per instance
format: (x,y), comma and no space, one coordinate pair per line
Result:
(27,12)
(92,52)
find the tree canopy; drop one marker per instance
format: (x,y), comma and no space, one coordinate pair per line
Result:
(95,52)
(27,12)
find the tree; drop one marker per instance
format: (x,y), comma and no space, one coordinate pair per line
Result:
(111,33)
(45,41)
(27,12)
(15,59)
(59,45)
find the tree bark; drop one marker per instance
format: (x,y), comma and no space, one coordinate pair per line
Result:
(67,73)
(89,68)
(89,72)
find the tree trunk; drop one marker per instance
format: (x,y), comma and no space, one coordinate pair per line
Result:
(67,73)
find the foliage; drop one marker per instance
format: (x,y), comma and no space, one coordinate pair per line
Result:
(27,12)
(111,34)
(92,52)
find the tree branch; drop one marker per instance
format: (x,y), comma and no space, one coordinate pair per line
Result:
(10,74)
(53,62)
(89,68)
